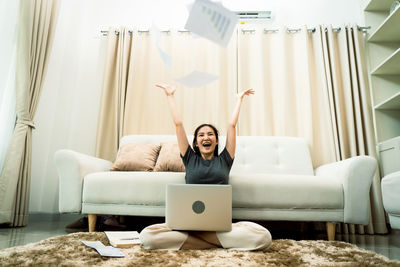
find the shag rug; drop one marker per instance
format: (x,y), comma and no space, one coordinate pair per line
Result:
(67,250)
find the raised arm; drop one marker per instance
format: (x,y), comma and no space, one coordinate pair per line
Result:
(183,142)
(231,134)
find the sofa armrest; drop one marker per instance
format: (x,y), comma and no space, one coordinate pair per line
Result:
(356,175)
(390,185)
(72,167)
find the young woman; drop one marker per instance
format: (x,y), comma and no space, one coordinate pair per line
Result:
(205,166)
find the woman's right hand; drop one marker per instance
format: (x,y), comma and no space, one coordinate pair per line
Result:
(168,89)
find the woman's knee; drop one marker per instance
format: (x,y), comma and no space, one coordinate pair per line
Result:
(148,236)
(246,236)
(264,236)
(265,240)
(159,236)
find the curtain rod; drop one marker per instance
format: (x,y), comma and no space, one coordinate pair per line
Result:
(338,29)
(141,31)
(360,28)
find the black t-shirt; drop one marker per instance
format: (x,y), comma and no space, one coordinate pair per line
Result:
(204,171)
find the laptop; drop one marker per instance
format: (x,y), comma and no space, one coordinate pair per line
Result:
(199,207)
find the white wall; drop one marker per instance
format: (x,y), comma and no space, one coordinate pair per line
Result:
(67,112)
(8,28)
(294,13)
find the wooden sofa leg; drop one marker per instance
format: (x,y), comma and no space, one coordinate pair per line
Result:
(92,218)
(330,230)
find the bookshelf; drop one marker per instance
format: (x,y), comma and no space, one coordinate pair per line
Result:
(384,63)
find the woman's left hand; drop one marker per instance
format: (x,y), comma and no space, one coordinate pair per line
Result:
(245,92)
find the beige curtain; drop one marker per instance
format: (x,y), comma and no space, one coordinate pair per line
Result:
(37,21)
(310,84)
(313,85)
(115,81)
(350,108)
(286,71)
(145,107)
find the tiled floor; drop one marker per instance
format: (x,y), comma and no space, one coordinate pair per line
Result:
(39,227)
(387,245)
(42,226)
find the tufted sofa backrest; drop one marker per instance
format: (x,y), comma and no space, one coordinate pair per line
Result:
(272,154)
(254,154)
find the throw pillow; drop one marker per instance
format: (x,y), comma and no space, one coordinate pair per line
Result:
(136,157)
(169,159)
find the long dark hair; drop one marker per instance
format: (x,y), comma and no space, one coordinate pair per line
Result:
(195,148)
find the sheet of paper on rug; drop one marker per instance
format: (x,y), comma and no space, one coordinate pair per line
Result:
(197,79)
(123,239)
(166,59)
(106,251)
(211,21)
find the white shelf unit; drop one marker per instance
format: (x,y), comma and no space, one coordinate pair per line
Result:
(384,63)
(380,5)
(388,30)
(390,66)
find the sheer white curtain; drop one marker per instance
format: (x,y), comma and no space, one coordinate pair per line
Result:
(146,110)
(36,25)
(312,85)
(130,99)
(286,70)
(8,29)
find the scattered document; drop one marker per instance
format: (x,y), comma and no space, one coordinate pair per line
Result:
(166,59)
(123,239)
(212,21)
(156,33)
(106,251)
(197,79)
(189,8)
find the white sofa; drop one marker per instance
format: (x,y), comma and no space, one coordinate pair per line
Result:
(272,178)
(391,198)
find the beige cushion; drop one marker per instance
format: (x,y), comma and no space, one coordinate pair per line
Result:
(169,159)
(136,157)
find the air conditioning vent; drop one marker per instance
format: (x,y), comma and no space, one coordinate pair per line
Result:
(264,15)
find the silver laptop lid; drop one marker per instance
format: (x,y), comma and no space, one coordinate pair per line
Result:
(199,207)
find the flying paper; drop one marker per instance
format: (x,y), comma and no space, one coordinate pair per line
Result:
(166,59)
(197,79)
(212,21)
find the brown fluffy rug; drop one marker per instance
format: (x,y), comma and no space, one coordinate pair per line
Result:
(67,250)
